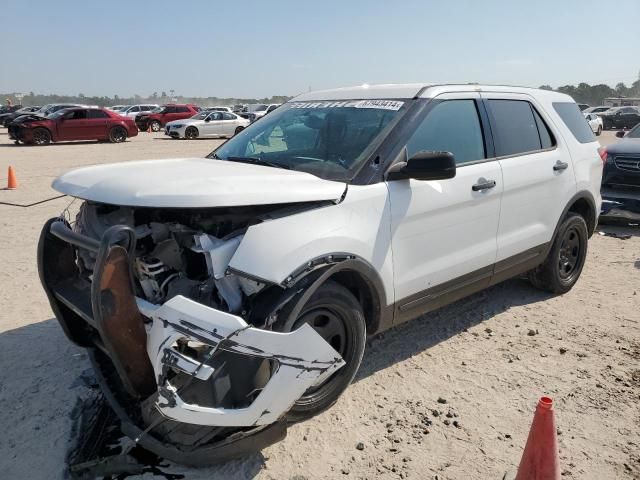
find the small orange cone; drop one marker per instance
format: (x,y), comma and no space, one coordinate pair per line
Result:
(12,182)
(540,457)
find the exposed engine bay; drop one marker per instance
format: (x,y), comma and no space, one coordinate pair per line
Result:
(192,351)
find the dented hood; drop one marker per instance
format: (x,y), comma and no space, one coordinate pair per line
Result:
(194,183)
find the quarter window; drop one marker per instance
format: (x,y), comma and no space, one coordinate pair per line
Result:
(575,121)
(451,126)
(546,138)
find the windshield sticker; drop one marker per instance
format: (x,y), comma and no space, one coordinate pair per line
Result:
(379,104)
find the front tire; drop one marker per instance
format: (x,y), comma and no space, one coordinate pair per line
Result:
(191,133)
(562,267)
(155,126)
(117,135)
(335,313)
(41,136)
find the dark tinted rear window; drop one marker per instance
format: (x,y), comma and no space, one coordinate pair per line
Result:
(96,114)
(575,121)
(516,128)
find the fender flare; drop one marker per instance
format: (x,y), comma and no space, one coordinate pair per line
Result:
(581,195)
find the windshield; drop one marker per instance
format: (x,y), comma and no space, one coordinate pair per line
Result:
(634,133)
(256,108)
(158,110)
(327,139)
(201,116)
(58,113)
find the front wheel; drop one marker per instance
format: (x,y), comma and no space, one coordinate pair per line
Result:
(190,133)
(155,126)
(117,135)
(563,265)
(41,136)
(336,315)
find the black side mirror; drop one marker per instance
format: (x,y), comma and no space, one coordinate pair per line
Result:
(425,166)
(620,133)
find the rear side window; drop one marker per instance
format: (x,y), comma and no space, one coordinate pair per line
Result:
(182,109)
(575,121)
(96,114)
(546,138)
(451,126)
(516,128)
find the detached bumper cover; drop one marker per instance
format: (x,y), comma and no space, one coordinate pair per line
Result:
(620,205)
(105,315)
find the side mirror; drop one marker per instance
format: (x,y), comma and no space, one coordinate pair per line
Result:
(425,166)
(207,120)
(620,133)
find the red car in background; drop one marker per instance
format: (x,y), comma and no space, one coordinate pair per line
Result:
(158,118)
(73,124)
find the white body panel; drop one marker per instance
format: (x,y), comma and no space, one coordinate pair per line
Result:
(595,122)
(212,128)
(194,183)
(359,225)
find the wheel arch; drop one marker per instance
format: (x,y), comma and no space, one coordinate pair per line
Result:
(584,205)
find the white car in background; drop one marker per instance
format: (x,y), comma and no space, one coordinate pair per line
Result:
(595,122)
(259,110)
(218,109)
(598,109)
(207,124)
(132,110)
(117,108)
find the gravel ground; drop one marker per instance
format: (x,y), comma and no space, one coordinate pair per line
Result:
(448,396)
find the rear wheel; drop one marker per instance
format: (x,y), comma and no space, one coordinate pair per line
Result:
(155,126)
(238,130)
(599,131)
(337,316)
(41,136)
(117,135)
(563,265)
(190,133)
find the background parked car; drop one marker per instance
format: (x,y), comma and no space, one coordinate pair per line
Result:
(218,109)
(583,106)
(599,109)
(8,117)
(74,124)
(620,117)
(133,110)
(117,108)
(594,121)
(207,124)
(622,161)
(258,110)
(158,118)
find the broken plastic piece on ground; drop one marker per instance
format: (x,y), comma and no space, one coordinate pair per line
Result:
(303,359)
(621,236)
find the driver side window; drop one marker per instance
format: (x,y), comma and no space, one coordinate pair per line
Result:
(451,126)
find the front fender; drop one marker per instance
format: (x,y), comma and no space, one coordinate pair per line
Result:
(360,226)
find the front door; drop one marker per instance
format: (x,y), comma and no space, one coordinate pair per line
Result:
(444,231)
(74,125)
(213,124)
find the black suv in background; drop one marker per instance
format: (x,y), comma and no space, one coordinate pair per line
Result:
(620,117)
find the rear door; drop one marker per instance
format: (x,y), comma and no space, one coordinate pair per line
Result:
(97,123)
(538,178)
(229,123)
(444,231)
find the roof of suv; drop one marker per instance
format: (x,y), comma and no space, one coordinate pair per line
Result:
(413,90)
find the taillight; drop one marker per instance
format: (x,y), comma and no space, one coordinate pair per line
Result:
(603,154)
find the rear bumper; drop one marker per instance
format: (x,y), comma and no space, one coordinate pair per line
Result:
(95,313)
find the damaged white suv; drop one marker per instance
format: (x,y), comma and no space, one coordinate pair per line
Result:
(222,297)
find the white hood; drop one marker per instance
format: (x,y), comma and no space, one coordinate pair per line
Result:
(194,183)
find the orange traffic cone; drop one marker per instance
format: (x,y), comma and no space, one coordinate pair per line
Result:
(540,457)
(12,181)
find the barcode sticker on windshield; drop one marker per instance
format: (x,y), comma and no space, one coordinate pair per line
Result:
(379,104)
(383,104)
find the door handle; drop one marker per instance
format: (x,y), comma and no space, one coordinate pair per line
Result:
(483,184)
(559,166)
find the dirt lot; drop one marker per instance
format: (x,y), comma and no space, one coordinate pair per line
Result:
(488,358)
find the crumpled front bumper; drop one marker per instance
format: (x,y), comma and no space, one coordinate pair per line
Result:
(141,340)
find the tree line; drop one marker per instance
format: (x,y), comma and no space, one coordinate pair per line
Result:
(40,99)
(595,94)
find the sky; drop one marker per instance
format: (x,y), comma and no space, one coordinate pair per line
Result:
(253,48)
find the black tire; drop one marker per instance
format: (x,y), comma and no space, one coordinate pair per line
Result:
(41,136)
(562,267)
(117,135)
(599,131)
(238,130)
(155,126)
(337,316)
(191,133)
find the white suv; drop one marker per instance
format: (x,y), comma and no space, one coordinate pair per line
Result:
(247,281)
